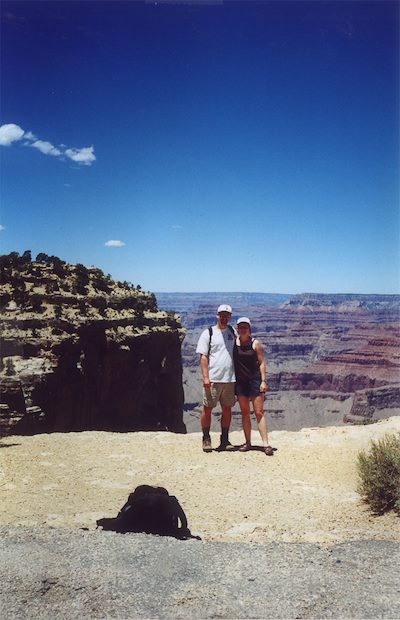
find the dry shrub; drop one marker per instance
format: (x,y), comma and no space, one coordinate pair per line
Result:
(379,474)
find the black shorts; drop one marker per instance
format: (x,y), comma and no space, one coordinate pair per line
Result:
(249,388)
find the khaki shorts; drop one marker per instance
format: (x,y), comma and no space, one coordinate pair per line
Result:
(224,393)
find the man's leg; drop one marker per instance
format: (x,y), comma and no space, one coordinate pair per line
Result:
(226,417)
(227,400)
(205,420)
(226,414)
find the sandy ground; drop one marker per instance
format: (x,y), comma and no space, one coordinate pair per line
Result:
(306,492)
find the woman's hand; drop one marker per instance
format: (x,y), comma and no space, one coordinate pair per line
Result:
(263,387)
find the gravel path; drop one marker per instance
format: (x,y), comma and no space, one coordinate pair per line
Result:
(55,573)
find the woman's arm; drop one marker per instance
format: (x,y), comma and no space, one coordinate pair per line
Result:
(263,366)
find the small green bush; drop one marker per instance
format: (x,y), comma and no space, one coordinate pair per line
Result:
(379,474)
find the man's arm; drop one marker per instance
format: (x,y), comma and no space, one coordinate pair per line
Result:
(204,371)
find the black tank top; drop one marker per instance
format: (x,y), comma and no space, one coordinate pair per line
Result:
(246,362)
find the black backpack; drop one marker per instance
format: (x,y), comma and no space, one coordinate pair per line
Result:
(151,510)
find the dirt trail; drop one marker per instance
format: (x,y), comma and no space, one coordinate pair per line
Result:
(306,492)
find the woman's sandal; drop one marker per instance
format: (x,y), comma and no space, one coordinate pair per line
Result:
(269,451)
(245,447)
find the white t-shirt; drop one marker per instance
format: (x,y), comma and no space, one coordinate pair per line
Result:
(220,363)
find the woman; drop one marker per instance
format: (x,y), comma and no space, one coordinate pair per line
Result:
(250,370)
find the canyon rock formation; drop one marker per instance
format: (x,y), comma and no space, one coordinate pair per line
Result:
(330,358)
(82,352)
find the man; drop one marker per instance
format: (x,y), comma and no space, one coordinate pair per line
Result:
(215,347)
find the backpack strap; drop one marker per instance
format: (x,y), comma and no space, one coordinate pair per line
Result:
(210,331)
(177,511)
(183,532)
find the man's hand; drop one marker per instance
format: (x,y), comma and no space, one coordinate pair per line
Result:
(207,384)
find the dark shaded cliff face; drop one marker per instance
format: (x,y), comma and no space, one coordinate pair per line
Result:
(94,360)
(100,385)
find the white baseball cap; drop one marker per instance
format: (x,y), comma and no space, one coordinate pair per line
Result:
(243,319)
(224,308)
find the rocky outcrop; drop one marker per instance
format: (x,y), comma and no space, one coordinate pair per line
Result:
(367,402)
(82,352)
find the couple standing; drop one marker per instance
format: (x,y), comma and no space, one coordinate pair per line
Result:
(232,363)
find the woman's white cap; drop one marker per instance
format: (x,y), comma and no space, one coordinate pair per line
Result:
(224,308)
(243,319)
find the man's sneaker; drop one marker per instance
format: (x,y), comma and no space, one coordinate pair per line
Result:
(207,444)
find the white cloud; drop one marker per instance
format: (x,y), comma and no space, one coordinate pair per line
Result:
(82,156)
(114,243)
(46,148)
(10,133)
(13,133)
(2,227)
(176,227)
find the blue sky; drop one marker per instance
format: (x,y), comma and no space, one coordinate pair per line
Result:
(226,146)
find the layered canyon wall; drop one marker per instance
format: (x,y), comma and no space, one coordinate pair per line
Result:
(330,358)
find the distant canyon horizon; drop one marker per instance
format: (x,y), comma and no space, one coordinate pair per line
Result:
(332,359)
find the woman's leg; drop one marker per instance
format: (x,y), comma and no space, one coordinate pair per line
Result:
(258,405)
(246,420)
